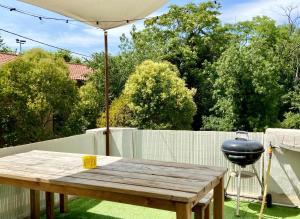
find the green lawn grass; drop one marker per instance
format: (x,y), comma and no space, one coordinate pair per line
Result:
(82,208)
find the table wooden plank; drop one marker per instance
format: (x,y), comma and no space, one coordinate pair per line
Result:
(65,181)
(204,169)
(105,173)
(199,174)
(125,169)
(141,161)
(145,180)
(92,193)
(176,173)
(155,179)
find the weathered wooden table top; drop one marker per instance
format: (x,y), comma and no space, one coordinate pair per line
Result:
(153,179)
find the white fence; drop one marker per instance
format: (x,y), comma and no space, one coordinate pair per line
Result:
(178,146)
(194,148)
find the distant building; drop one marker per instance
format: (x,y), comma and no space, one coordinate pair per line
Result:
(78,72)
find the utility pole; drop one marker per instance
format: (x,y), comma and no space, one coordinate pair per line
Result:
(21,42)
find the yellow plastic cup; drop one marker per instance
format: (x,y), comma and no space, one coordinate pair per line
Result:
(89,162)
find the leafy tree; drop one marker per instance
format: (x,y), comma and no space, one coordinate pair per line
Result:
(91,102)
(64,54)
(92,93)
(120,114)
(189,37)
(68,57)
(3,47)
(1,43)
(158,98)
(35,92)
(120,67)
(292,118)
(247,90)
(291,121)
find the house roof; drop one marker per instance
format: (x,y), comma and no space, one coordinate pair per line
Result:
(6,57)
(78,72)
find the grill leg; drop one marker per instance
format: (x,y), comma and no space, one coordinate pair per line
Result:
(229,178)
(257,176)
(238,192)
(227,184)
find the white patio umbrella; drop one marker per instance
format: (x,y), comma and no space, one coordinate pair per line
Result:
(104,14)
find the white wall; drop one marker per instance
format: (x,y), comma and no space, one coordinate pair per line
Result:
(75,144)
(121,141)
(285,167)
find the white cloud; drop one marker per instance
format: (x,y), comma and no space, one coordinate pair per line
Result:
(248,10)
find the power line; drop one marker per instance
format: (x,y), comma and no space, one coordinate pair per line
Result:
(46,44)
(41,17)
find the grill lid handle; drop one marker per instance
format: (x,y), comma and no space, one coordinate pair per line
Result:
(242,135)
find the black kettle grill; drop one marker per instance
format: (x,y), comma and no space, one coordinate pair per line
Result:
(242,152)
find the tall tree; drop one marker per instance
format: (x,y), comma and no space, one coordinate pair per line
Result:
(250,82)
(92,92)
(189,37)
(154,98)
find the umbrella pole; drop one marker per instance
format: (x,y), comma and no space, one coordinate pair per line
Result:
(106,93)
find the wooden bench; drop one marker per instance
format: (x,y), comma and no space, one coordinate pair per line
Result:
(202,209)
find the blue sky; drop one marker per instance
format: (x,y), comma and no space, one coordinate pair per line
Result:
(87,40)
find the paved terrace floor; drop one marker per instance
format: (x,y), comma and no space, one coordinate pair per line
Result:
(81,208)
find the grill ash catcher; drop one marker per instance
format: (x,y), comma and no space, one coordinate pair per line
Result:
(243,152)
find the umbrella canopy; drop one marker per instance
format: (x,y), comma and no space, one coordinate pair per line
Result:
(104,14)
(108,13)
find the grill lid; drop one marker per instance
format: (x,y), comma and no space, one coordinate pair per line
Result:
(242,146)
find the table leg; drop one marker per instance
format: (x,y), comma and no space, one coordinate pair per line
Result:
(219,200)
(49,205)
(183,211)
(34,204)
(198,212)
(63,203)
(207,212)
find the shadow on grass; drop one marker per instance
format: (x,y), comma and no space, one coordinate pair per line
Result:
(230,211)
(276,211)
(80,209)
(84,208)
(250,210)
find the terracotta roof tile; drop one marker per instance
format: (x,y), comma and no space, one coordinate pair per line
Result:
(78,72)
(6,57)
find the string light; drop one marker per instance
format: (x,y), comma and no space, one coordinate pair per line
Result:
(69,20)
(46,44)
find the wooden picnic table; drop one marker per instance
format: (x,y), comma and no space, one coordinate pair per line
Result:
(164,185)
